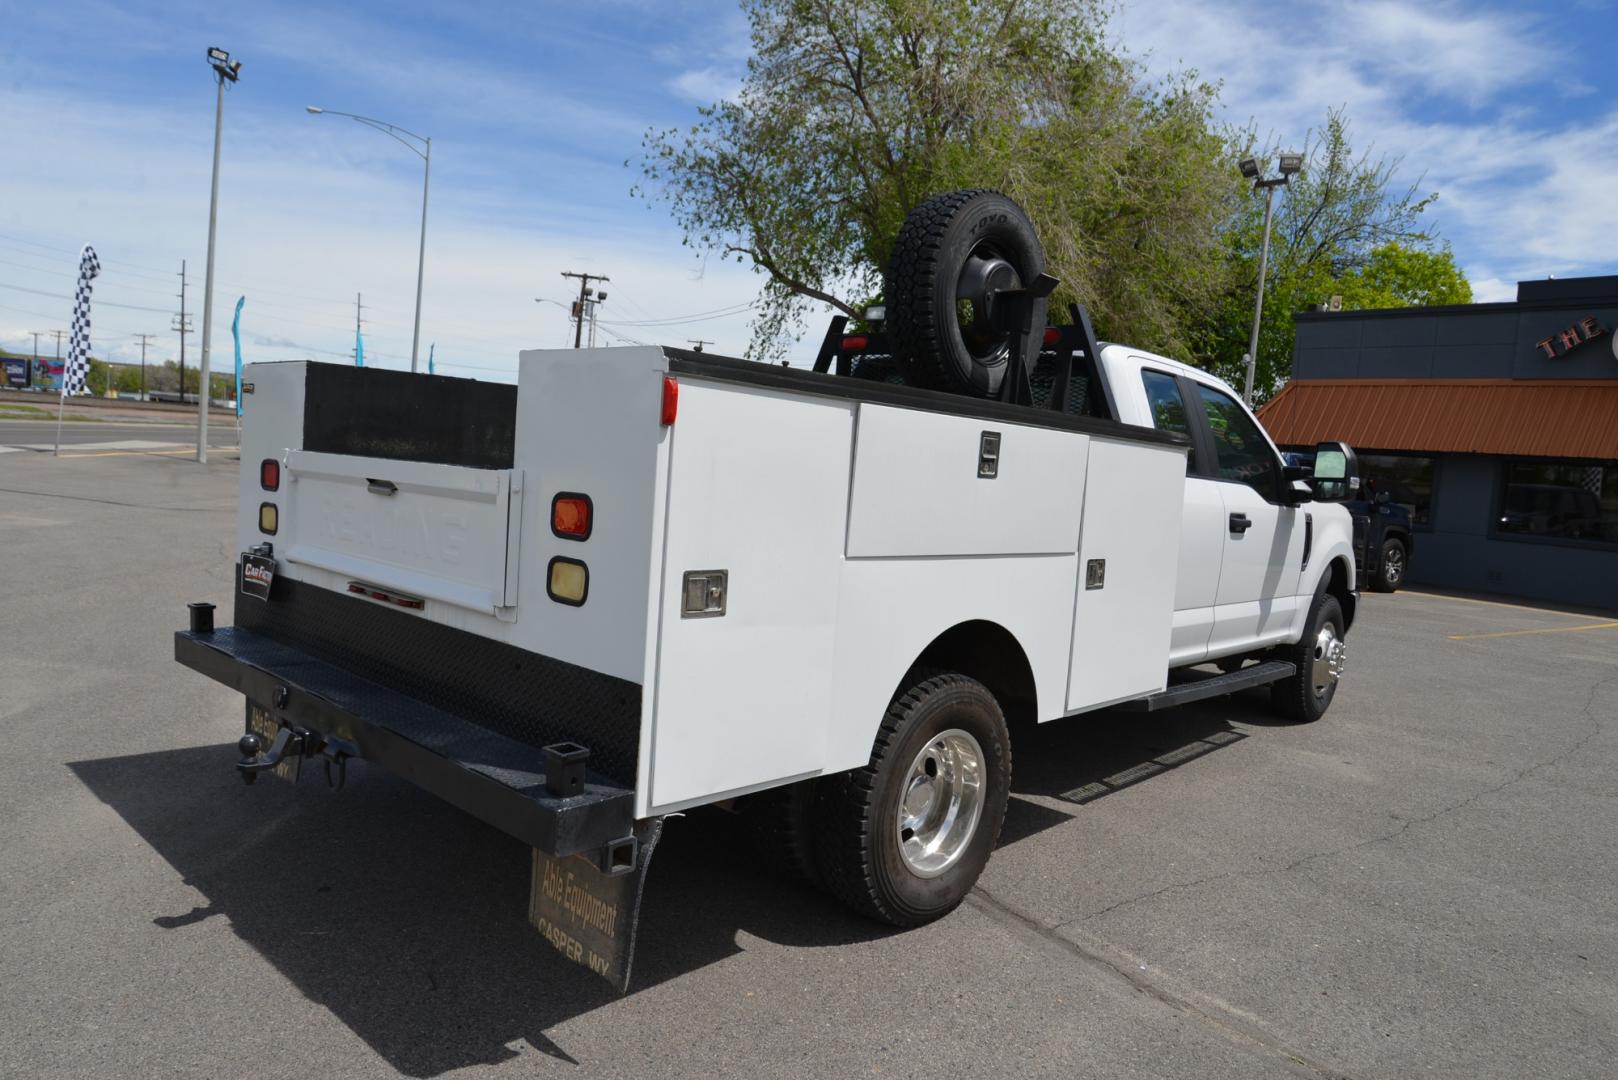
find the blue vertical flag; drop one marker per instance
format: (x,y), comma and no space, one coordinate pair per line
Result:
(430,349)
(359,348)
(236,333)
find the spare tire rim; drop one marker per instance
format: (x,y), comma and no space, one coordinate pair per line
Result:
(984,273)
(940,803)
(1330,657)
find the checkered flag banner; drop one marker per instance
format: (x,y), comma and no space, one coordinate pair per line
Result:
(77,371)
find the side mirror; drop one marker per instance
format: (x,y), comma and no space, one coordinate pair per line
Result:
(1337,472)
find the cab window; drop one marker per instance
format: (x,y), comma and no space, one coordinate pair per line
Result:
(1168,408)
(1242,451)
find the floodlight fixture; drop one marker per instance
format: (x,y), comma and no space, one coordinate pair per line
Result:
(316,109)
(221,62)
(1291,163)
(1249,167)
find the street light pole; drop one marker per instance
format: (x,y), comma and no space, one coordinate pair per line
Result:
(421,254)
(1291,165)
(425,152)
(224,68)
(1258,306)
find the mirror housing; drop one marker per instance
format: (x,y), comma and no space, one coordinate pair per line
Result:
(1336,475)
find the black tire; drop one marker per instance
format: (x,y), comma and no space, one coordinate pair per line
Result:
(924,280)
(1296,697)
(780,826)
(857,837)
(1390,568)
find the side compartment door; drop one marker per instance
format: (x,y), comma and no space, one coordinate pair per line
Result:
(1263,540)
(1202,534)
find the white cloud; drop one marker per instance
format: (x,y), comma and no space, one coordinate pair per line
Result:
(1458,91)
(706,86)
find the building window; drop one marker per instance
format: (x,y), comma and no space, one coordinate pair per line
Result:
(1407,481)
(1559,500)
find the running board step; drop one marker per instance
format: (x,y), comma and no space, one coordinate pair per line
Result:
(1213,686)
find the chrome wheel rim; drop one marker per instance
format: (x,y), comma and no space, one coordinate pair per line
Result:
(940,803)
(1328,660)
(1393,566)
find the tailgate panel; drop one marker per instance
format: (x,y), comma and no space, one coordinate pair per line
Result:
(440,532)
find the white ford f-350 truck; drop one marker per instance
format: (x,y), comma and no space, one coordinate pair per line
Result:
(646,579)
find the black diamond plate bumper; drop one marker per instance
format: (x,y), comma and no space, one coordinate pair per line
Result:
(490,776)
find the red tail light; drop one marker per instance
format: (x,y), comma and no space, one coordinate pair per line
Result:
(671,400)
(1052,335)
(269,474)
(571,516)
(856,343)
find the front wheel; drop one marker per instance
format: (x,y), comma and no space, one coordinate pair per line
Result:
(904,838)
(1390,573)
(1319,657)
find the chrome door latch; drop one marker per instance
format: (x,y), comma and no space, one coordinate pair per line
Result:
(703,593)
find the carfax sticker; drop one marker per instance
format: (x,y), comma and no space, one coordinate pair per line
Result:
(589,916)
(258,574)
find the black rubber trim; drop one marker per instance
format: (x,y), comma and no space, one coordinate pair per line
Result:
(494,778)
(770,376)
(590,515)
(562,599)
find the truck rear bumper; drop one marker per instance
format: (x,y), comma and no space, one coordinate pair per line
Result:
(494,778)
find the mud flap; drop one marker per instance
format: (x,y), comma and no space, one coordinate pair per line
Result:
(589,908)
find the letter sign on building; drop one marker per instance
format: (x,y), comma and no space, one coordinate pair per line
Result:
(1570,338)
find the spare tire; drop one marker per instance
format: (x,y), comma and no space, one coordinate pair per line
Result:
(953,252)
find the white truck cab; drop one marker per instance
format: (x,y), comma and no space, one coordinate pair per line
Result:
(644,580)
(1251,558)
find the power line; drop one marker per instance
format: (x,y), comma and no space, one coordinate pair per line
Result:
(65,296)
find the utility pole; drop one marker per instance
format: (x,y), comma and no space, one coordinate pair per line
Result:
(359,358)
(144,339)
(698,343)
(584,298)
(59,335)
(35,369)
(182,323)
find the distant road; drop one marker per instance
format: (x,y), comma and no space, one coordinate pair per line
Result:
(86,434)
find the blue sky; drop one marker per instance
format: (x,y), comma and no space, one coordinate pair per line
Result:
(1508,110)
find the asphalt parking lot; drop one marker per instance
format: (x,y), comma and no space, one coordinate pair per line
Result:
(1422,884)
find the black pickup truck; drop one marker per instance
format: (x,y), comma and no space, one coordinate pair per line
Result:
(1383,539)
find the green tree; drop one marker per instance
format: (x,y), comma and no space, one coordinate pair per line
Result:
(853,111)
(1330,224)
(1398,276)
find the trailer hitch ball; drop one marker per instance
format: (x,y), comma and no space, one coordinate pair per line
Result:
(250,746)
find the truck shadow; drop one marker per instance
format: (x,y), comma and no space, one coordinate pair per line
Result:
(405,917)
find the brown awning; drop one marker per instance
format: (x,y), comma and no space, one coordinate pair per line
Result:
(1534,418)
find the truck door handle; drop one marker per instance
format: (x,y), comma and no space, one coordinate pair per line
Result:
(1239,523)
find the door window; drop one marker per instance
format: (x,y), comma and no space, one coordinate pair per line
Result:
(1242,450)
(1168,409)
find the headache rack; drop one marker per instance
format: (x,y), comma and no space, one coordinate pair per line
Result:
(1059,370)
